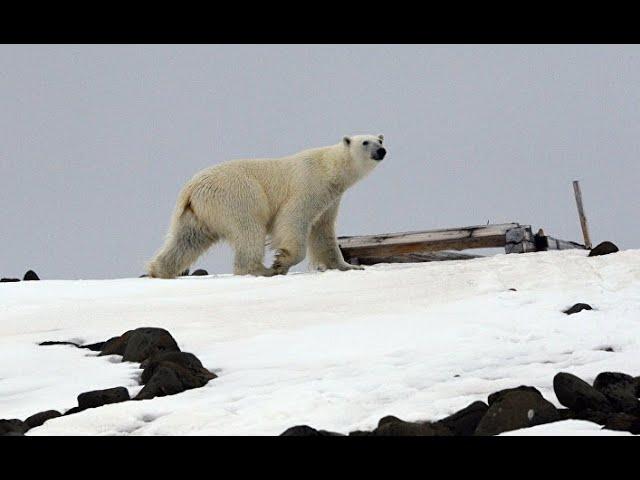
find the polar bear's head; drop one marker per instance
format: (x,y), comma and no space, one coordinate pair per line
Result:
(365,150)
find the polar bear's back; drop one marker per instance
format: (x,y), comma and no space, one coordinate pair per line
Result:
(263,179)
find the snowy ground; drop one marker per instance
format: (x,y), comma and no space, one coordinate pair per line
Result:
(334,350)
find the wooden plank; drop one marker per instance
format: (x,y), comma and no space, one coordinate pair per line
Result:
(415,258)
(519,234)
(520,240)
(522,247)
(426,235)
(389,244)
(544,242)
(557,244)
(583,218)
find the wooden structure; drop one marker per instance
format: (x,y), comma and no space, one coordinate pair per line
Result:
(413,258)
(583,218)
(429,245)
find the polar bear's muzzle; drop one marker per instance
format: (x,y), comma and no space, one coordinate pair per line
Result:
(379,154)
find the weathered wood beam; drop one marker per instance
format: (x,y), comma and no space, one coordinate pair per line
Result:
(544,243)
(557,244)
(406,247)
(520,240)
(389,244)
(414,258)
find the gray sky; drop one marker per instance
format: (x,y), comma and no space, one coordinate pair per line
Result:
(97,140)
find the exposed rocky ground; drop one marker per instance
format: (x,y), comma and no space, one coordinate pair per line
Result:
(29,275)
(166,371)
(612,402)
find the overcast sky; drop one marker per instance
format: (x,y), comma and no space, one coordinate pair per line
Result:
(96,141)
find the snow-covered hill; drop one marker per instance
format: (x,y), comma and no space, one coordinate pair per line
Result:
(334,350)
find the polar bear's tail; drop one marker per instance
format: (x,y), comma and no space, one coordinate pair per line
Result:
(186,241)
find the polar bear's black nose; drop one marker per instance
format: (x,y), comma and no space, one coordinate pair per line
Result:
(380,153)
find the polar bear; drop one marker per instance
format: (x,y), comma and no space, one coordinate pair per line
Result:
(292,201)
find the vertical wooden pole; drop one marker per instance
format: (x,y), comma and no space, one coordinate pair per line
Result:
(583,218)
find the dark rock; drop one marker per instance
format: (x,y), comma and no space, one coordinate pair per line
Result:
(31,275)
(565,414)
(388,419)
(590,415)
(623,422)
(147,341)
(606,349)
(139,344)
(12,427)
(494,397)
(300,431)
(183,359)
(578,395)
(9,280)
(603,248)
(116,345)
(465,421)
(169,373)
(71,411)
(307,431)
(620,390)
(165,381)
(94,347)
(144,275)
(199,273)
(606,381)
(637,382)
(50,343)
(185,273)
(98,398)
(39,418)
(578,307)
(360,433)
(517,409)
(183,363)
(412,429)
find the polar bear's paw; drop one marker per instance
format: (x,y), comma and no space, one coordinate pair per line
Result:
(343,267)
(346,266)
(280,266)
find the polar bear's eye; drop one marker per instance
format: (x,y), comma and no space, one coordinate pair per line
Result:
(365,143)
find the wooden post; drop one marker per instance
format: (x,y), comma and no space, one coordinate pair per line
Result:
(583,218)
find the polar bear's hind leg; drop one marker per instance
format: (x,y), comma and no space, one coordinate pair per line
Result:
(186,241)
(249,251)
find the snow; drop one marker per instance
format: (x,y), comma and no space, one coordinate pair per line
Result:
(334,350)
(573,428)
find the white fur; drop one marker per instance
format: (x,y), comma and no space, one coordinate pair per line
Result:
(293,200)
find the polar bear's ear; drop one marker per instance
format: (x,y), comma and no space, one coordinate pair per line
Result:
(346,140)
(381,138)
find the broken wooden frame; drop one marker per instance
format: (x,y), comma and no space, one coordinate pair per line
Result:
(428,245)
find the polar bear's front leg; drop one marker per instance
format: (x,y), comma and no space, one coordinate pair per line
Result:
(323,246)
(290,244)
